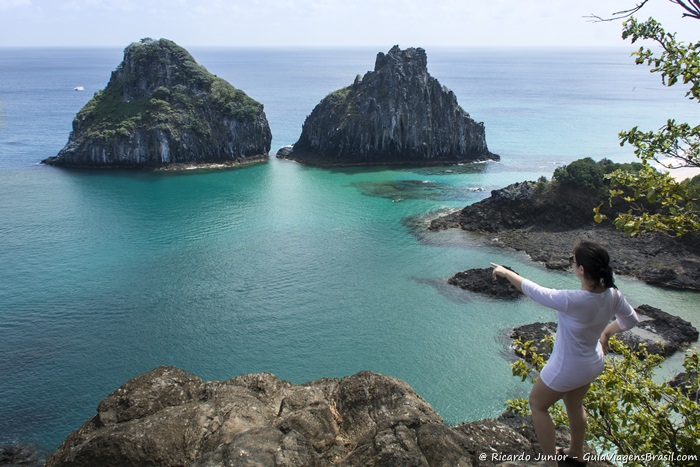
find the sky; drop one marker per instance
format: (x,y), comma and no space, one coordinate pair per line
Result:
(251,23)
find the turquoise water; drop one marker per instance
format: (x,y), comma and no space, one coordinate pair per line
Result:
(278,267)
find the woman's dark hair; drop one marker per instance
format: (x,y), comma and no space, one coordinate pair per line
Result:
(596,263)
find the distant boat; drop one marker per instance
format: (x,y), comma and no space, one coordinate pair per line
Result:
(78,88)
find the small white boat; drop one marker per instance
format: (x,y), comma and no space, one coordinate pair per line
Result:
(78,88)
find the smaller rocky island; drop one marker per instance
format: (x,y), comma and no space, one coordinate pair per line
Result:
(480,280)
(396,114)
(162,109)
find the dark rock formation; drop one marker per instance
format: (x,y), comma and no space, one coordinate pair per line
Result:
(687,383)
(20,455)
(662,334)
(535,332)
(396,114)
(161,108)
(545,219)
(169,417)
(481,281)
(670,333)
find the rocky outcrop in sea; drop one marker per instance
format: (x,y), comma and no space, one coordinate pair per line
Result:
(480,280)
(396,114)
(169,417)
(546,218)
(162,109)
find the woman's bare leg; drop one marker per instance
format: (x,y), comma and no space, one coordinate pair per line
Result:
(573,400)
(541,399)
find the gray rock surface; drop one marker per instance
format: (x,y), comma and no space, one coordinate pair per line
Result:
(169,417)
(396,114)
(160,109)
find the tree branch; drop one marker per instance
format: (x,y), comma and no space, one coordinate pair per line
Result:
(624,13)
(691,6)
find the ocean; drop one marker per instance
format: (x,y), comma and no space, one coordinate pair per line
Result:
(278,267)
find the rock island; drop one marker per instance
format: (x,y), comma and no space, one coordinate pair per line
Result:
(162,109)
(396,114)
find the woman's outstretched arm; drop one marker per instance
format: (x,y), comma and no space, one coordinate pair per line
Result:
(513,277)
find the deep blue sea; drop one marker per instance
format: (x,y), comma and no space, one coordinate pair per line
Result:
(278,267)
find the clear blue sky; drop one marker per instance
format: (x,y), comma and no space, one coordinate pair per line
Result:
(325,22)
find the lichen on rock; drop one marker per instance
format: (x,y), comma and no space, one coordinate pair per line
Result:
(160,108)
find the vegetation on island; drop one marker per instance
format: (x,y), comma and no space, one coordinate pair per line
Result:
(587,180)
(340,104)
(186,92)
(588,173)
(659,202)
(600,177)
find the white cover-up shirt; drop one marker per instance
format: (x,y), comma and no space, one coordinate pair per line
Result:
(577,357)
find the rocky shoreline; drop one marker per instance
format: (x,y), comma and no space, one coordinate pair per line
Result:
(185,167)
(285,153)
(546,220)
(179,167)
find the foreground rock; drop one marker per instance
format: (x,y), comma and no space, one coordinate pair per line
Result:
(662,334)
(396,114)
(161,109)
(169,417)
(546,219)
(20,455)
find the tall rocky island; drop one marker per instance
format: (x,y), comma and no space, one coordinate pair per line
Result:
(396,114)
(162,108)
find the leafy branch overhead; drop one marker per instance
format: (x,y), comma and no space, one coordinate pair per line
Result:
(659,202)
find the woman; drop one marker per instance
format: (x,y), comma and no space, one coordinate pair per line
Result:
(583,330)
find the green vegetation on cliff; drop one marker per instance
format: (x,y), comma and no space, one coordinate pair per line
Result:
(603,178)
(185,90)
(590,174)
